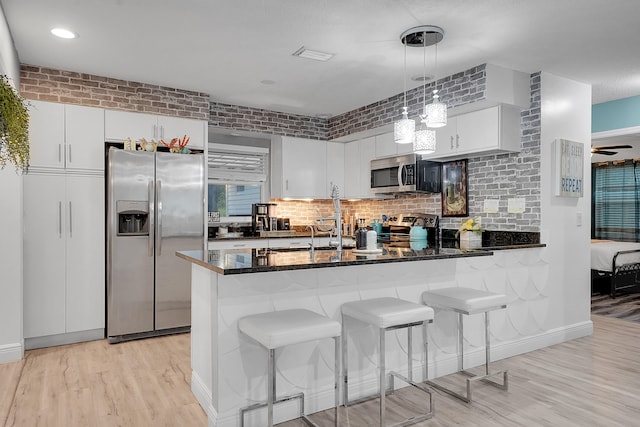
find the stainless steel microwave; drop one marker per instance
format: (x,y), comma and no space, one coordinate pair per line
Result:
(407,173)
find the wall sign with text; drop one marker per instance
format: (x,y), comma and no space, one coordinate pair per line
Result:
(569,168)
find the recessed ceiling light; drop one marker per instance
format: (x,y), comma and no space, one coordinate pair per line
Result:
(312,54)
(63,33)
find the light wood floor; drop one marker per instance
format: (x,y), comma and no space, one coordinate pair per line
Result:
(592,381)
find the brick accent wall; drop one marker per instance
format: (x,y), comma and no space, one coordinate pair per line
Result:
(455,90)
(69,87)
(502,177)
(265,121)
(506,176)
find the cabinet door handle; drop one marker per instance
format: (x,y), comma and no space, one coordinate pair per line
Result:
(162,132)
(70,221)
(457,141)
(286,184)
(452,142)
(59,153)
(155,131)
(69,153)
(60,220)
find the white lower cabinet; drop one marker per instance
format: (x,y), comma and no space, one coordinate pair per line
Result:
(238,244)
(64,283)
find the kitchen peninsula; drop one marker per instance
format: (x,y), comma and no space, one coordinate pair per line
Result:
(229,371)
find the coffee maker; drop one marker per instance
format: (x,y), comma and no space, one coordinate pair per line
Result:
(263,217)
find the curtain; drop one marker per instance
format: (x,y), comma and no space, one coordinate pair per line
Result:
(616,201)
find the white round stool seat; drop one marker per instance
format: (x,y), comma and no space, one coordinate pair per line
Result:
(387,312)
(281,328)
(464,299)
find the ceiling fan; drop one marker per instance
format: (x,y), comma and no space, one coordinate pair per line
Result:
(604,149)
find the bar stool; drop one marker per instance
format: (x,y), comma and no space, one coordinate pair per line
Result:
(387,314)
(281,328)
(469,301)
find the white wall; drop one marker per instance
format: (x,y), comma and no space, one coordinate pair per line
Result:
(566,113)
(11,347)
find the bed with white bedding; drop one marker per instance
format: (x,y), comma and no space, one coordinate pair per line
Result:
(617,263)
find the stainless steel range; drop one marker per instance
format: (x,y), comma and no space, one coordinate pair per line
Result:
(400,227)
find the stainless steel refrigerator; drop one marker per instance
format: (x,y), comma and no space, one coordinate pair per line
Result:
(155,207)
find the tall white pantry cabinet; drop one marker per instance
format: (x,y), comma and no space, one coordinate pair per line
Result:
(64,274)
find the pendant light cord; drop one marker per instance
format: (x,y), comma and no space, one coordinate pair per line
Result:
(424,73)
(405,73)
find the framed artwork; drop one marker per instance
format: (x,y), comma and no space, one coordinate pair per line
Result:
(454,189)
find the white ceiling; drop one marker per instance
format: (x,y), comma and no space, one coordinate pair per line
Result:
(230,49)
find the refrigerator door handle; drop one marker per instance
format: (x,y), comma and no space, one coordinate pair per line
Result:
(151,215)
(60,220)
(159,203)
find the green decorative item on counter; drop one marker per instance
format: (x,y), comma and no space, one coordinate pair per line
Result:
(14,127)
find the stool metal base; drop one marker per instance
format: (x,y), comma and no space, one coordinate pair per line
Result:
(280,400)
(271,391)
(472,378)
(384,390)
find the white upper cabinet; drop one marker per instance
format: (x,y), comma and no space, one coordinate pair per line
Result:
(298,168)
(387,147)
(357,168)
(64,136)
(489,131)
(120,125)
(335,167)
(176,127)
(84,135)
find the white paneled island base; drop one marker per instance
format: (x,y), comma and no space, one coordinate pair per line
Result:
(229,371)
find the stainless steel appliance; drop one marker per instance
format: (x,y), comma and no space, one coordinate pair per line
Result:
(263,217)
(400,229)
(155,206)
(407,173)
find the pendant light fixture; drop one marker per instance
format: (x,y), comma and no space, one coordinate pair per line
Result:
(404,129)
(423,36)
(425,140)
(436,111)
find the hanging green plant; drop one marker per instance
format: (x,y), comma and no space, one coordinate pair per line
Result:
(14,127)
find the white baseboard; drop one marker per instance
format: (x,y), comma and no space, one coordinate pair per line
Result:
(63,339)
(368,385)
(11,352)
(204,397)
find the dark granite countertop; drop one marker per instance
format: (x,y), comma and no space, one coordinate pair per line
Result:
(241,261)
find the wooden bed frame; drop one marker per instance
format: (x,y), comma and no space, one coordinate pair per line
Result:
(625,276)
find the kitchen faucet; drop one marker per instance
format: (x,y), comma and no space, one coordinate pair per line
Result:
(338,215)
(313,246)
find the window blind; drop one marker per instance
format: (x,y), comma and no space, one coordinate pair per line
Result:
(229,163)
(616,199)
